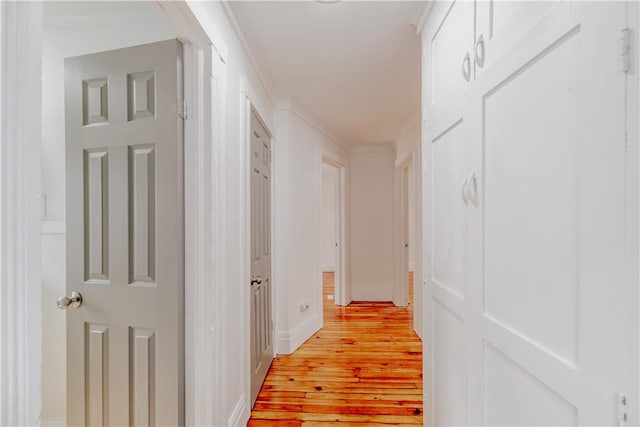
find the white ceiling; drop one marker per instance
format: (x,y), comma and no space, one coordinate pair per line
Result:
(354,65)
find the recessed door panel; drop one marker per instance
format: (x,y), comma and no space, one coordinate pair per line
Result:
(515,397)
(531,183)
(448,210)
(449,367)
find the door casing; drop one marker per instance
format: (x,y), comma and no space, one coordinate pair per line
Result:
(342,290)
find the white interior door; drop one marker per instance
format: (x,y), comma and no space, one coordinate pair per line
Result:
(125,237)
(545,307)
(261,316)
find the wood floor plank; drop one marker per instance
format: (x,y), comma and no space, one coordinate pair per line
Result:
(363,368)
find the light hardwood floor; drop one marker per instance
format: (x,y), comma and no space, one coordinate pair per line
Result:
(364,368)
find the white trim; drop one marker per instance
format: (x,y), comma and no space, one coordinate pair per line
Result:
(369,294)
(343,285)
(400,223)
(373,148)
(235,419)
(290,341)
(201,360)
(20,223)
(53,227)
(299,110)
(421,20)
(264,81)
(413,121)
(53,422)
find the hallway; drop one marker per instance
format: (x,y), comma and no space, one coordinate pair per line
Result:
(363,368)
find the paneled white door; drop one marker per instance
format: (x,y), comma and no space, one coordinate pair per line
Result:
(446,242)
(125,351)
(546,285)
(260,307)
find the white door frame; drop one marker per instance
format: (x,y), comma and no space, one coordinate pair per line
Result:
(20,289)
(20,308)
(342,289)
(401,224)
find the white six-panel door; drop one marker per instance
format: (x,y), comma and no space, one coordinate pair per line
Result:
(524,211)
(261,316)
(125,237)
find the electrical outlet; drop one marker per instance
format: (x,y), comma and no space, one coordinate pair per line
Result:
(304,307)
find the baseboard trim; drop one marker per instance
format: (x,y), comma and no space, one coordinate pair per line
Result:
(288,342)
(53,422)
(368,294)
(235,419)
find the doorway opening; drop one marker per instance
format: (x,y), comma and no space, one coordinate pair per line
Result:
(333,252)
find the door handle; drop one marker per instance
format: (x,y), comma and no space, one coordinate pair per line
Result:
(74,301)
(471,184)
(479,51)
(464,191)
(256,280)
(466,67)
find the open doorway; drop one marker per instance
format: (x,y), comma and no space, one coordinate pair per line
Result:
(333,230)
(330,175)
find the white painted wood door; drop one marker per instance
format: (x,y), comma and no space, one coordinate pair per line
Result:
(546,285)
(448,45)
(125,350)
(445,263)
(260,308)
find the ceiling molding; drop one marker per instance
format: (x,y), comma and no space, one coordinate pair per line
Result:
(413,121)
(374,148)
(264,80)
(421,19)
(293,106)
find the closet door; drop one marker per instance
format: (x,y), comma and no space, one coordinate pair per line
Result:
(445,147)
(546,282)
(447,47)
(500,25)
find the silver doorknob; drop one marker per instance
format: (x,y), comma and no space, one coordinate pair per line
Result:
(256,280)
(75,301)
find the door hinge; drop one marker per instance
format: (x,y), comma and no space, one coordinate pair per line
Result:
(622,409)
(182,109)
(625,36)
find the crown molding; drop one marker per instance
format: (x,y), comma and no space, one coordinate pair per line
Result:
(246,46)
(421,19)
(373,148)
(294,106)
(413,121)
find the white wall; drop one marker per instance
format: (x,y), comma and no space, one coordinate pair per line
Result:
(298,155)
(330,176)
(71,30)
(371,224)
(237,74)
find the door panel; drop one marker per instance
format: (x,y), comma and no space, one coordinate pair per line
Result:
(548,229)
(125,234)
(261,316)
(450,37)
(533,198)
(444,296)
(501,24)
